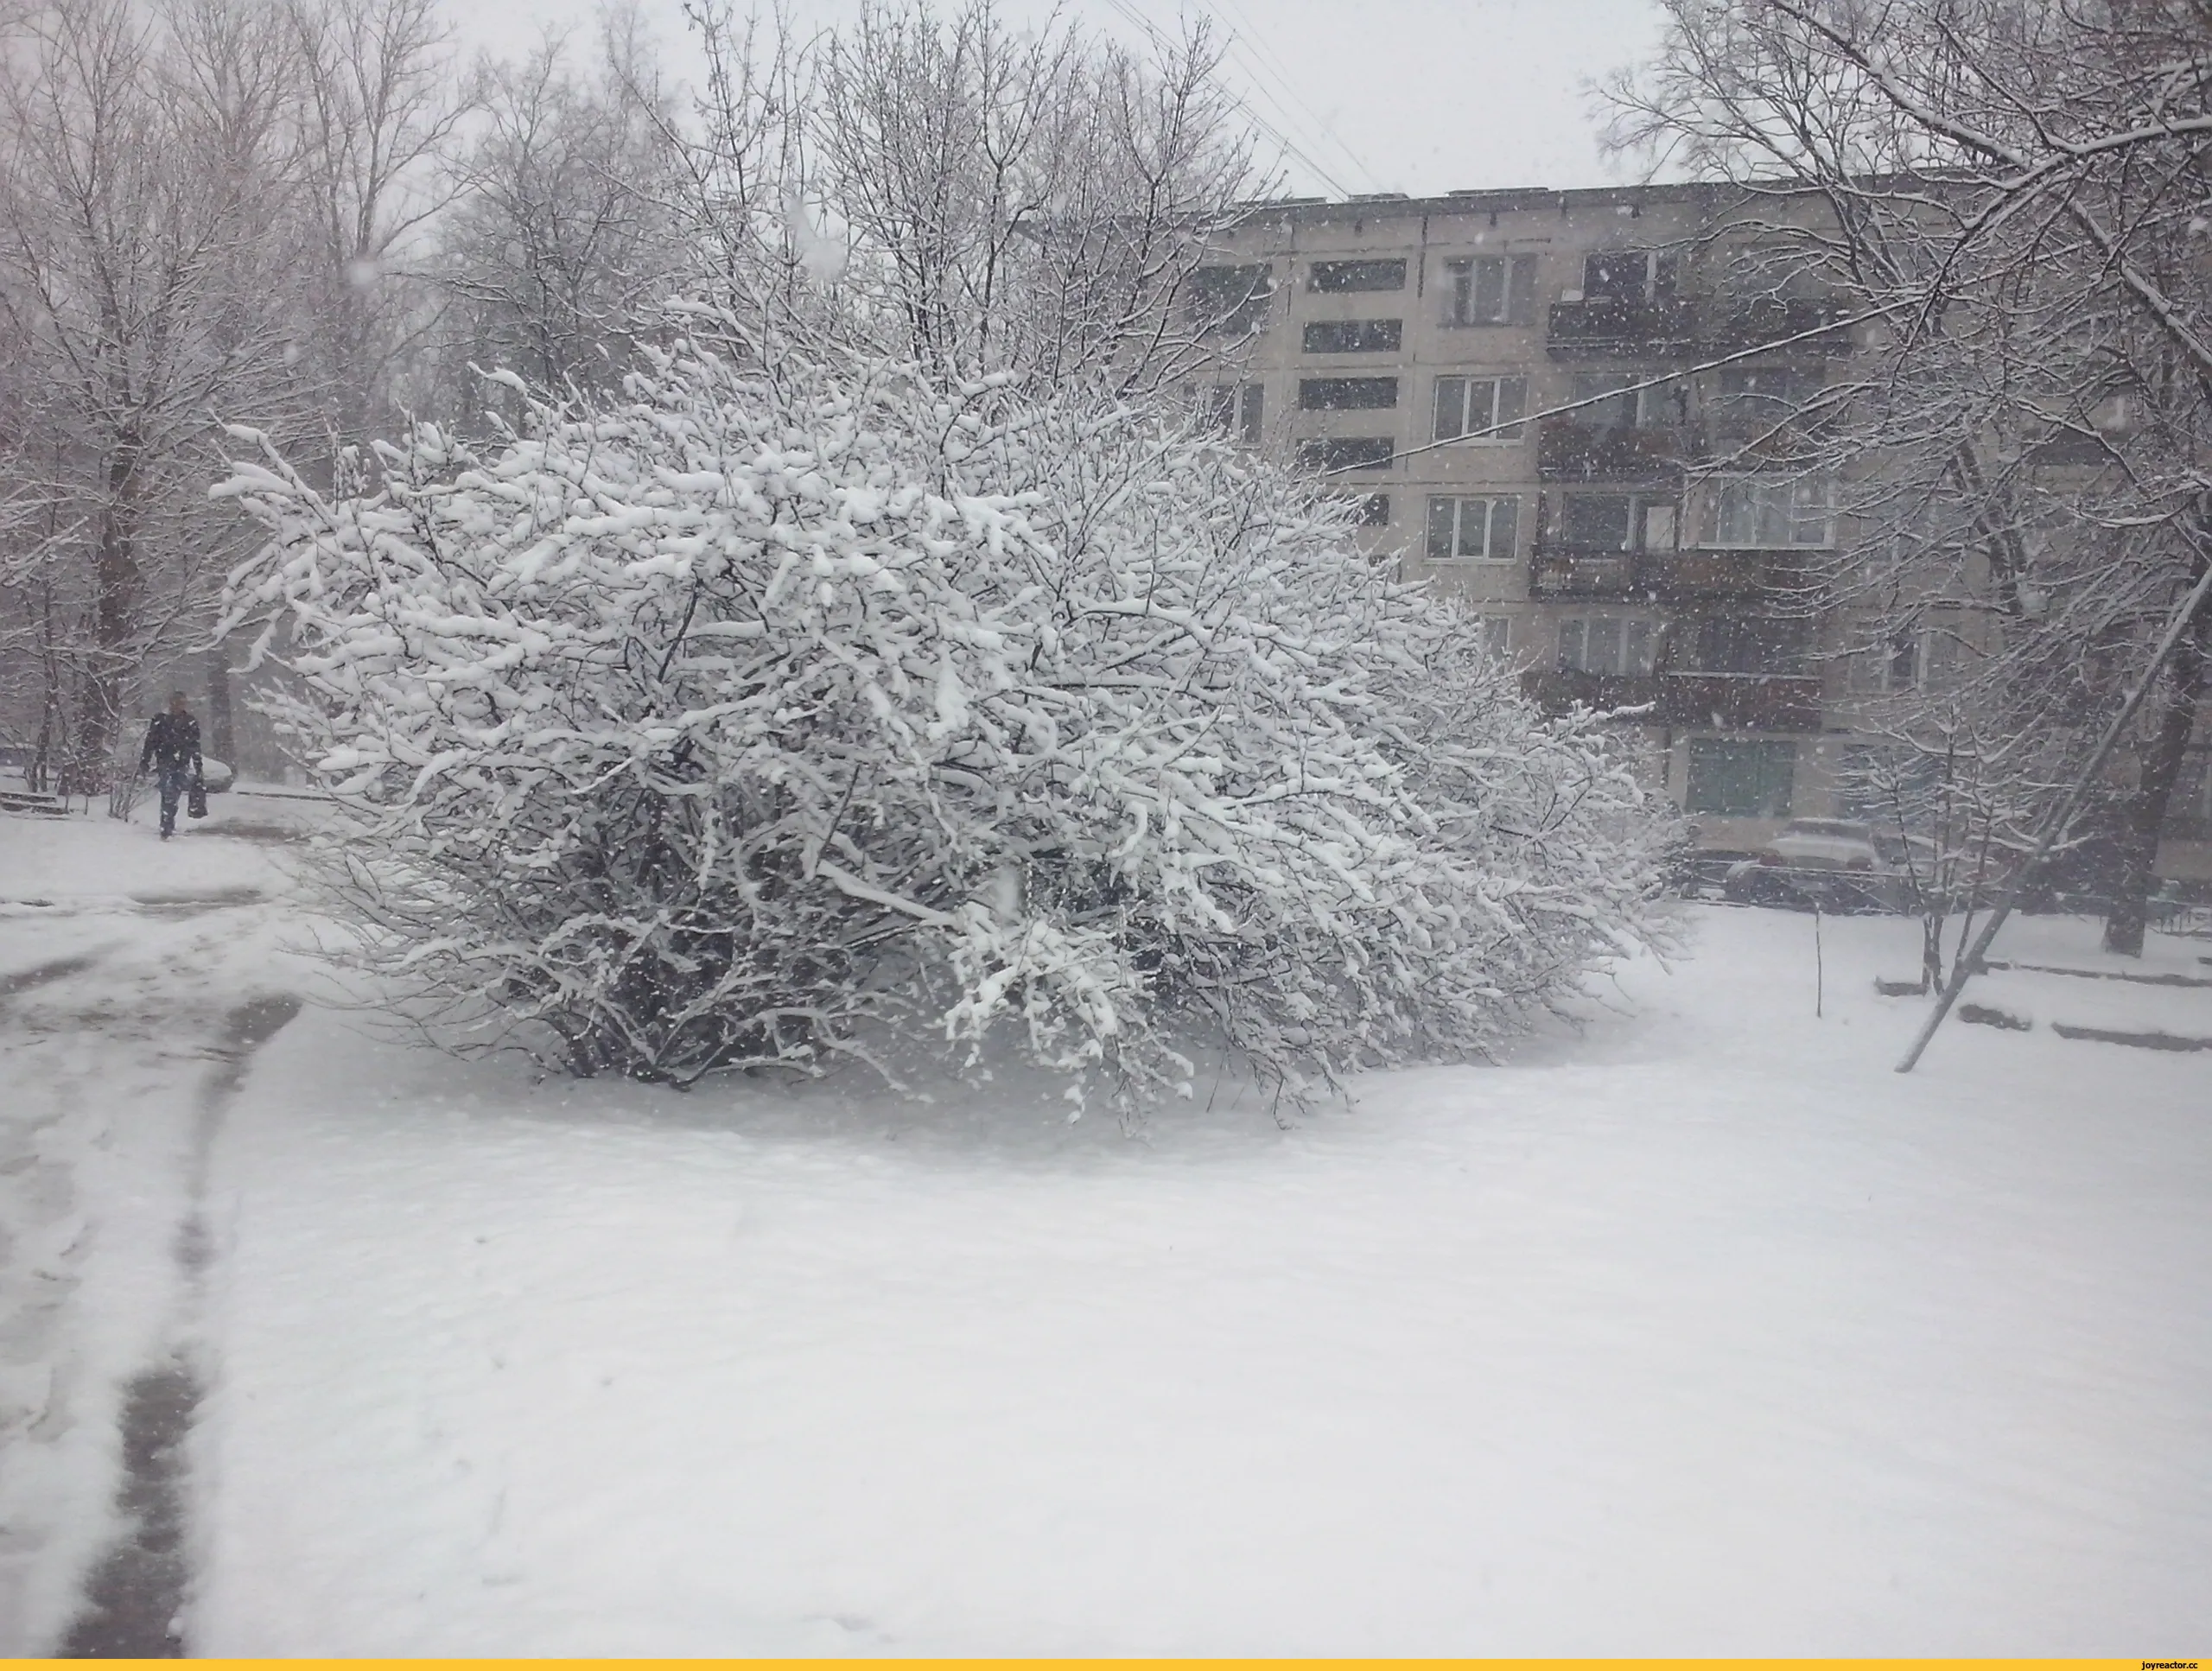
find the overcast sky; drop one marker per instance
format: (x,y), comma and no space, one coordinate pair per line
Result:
(1419,96)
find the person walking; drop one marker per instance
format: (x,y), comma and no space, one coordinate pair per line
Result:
(172,751)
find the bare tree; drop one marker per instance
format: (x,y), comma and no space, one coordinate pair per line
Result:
(1027,201)
(2019,192)
(378,107)
(560,246)
(144,163)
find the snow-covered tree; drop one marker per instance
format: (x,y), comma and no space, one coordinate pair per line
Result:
(792,704)
(143,164)
(2018,191)
(559,245)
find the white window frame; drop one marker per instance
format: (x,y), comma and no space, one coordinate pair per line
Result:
(1237,411)
(1458,502)
(1653,522)
(1653,405)
(1874,668)
(1622,629)
(1814,492)
(1508,402)
(1460,277)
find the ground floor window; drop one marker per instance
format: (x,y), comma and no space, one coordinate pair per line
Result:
(1738,779)
(2192,798)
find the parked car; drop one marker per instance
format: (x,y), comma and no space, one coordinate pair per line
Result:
(1842,865)
(1838,864)
(1703,872)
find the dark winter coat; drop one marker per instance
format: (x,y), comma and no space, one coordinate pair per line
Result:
(172,741)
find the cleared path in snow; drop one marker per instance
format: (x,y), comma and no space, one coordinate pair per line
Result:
(110,1013)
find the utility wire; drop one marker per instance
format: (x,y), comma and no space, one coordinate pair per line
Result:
(1130,14)
(1261,61)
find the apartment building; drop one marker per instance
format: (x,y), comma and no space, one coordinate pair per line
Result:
(1402,346)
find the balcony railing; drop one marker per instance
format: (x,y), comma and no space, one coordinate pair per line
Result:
(1564,572)
(1681,326)
(1609,326)
(1746,702)
(1567,450)
(1805,326)
(1566,686)
(1557,570)
(1732,702)
(1571,450)
(1723,573)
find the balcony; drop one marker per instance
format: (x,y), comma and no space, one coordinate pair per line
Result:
(1566,687)
(1681,327)
(1687,575)
(1565,572)
(1610,327)
(1570,451)
(1741,702)
(1773,439)
(1732,702)
(1809,327)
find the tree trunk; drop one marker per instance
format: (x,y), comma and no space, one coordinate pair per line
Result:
(222,734)
(115,619)
(2145,814)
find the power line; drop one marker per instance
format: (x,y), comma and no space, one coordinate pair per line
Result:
(1290,147)
(1658,380)
(1262,61)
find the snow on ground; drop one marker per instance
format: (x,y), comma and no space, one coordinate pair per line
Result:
(119,955)
(1701,1331)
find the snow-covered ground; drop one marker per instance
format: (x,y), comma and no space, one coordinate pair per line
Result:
(1699,1331)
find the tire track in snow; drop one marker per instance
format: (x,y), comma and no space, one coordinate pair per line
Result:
(41,974)
(134,1598)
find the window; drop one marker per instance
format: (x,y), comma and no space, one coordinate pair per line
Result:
(1772,512)
(1628,275)
(1473,405)
(2194,802)
(1491,290)
(1373,509)
(1235,408)
(1233,299)
(1347,394)
(1606,643)
(1752,644)
(1354,336)
(1741,779)
(1495,633)
(1767,393)
(1617,522)
(1765,271)
(1875,782)
(1621,405)
(1357,275)
(1348,453)
(1895,664)
(1477,528)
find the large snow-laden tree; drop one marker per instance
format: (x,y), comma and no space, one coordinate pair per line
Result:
(764,715)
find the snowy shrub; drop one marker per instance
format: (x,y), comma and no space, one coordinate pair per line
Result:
(785,709)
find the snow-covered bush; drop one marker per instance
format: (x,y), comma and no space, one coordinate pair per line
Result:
(790,706)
